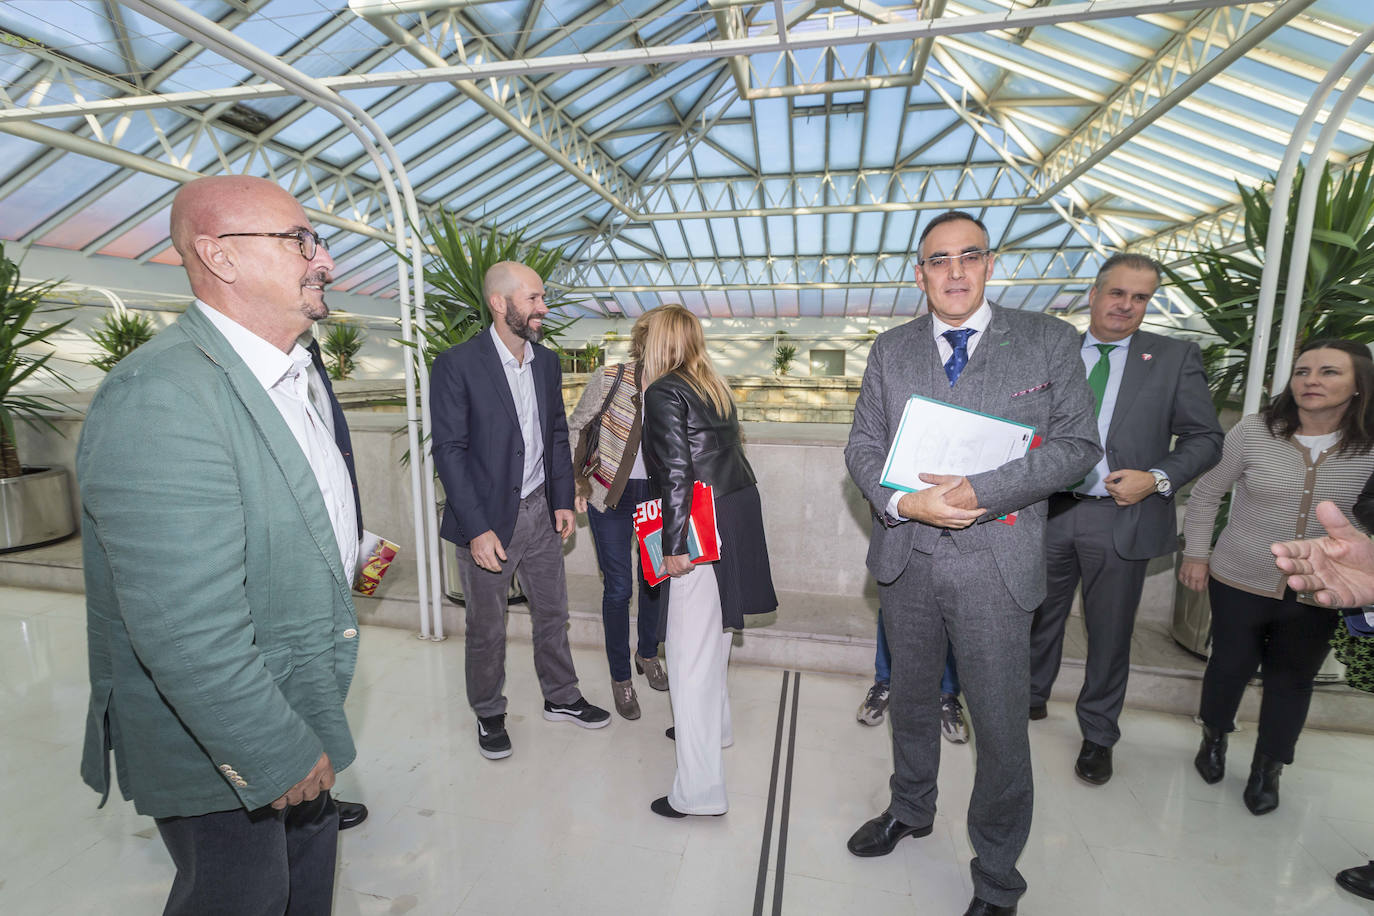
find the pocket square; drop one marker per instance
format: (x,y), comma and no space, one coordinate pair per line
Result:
(1041,387)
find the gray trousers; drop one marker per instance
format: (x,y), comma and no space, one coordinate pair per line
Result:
(960,597)
(535,554)
(1078,545)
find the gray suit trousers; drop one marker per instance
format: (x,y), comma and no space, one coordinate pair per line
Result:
(961,596)
(535,553)
(1078,545)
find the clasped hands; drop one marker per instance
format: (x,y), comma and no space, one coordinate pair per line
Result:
(949,503)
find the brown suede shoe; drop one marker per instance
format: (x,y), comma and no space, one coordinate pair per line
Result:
(626,703)
(652,669)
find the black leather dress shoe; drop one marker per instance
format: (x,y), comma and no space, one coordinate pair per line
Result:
(879,836)
(351,814)
(1358,880)
(980,907)
(1094,763)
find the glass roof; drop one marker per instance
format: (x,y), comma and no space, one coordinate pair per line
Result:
(684,151)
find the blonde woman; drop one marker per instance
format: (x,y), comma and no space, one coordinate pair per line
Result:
(608,495)
(691,433)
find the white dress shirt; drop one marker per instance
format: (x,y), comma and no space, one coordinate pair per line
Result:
(1093,484)
(978,322)
(286,379)
(520,378)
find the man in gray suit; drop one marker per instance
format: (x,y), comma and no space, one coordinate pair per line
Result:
(1150,391)
(964,559)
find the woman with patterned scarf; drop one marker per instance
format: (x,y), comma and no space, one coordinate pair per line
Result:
(608,490)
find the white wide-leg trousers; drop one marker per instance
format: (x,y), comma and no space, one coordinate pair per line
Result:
(698,655)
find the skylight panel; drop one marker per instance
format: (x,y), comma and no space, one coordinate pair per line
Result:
(77,28)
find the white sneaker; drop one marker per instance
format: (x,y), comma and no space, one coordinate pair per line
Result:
(873,707)
(952,725)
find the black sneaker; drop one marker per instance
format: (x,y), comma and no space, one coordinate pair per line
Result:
(579,712)
(492,739)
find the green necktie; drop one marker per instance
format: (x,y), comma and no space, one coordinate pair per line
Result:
(1097,382)
(1097,378)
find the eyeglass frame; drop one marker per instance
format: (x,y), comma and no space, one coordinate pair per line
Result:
(300,235)
(943,261)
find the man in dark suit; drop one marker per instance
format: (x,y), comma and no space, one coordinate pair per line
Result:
(1150,391)
(950,560)
(351,814)
(501,447)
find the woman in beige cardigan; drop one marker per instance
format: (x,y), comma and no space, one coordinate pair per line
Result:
(1312,443)
(608,495)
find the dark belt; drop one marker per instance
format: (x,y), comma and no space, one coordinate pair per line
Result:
(1082,497)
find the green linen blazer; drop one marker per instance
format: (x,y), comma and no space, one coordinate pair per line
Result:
(221,630)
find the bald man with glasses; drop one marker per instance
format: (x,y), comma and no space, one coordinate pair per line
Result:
(963,560)
(220,542)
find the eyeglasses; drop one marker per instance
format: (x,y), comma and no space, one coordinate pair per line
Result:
(968,260)
(308,240)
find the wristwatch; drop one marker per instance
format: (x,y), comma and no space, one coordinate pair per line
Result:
(1162,485)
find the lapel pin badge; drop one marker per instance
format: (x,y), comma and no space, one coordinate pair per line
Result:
(1147,356)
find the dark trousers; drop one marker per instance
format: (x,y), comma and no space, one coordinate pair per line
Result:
(952,598)
(1288,640)
(613,533)
(253,863)
(535,554)
(1078,547)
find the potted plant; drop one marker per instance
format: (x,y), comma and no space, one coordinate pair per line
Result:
(457,310)
(119,335)
(339,346)
(35,503)
(782,358)
(1223,285)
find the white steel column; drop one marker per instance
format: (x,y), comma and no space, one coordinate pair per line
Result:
(1278,224)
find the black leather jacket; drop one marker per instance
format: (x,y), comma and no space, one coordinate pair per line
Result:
(685,440)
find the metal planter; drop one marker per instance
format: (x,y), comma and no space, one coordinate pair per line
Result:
(35,508)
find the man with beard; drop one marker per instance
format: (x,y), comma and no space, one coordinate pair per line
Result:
(501,447)
(219,541)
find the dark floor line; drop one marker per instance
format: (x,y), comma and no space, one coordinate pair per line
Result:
(786,800)
(772,797)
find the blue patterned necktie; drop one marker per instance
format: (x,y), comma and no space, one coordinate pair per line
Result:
(958,340)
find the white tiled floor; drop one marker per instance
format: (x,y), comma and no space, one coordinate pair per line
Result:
(563,826)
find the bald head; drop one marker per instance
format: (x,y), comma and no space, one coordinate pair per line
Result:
(243,241)
(505,277)
(211,206)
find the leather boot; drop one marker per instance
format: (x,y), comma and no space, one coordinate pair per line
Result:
(1262,789)
(1211,755)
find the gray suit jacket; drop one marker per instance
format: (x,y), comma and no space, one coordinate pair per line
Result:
(1163,394)
(1026,369)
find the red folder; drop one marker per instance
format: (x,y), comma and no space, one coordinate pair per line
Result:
(703,541)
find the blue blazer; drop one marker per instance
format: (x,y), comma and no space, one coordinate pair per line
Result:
(478,449)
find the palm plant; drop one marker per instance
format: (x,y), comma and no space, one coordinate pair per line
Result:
(457,310)
(118,336)
(340,344)
(18,306)
(1338,298)
(782,358)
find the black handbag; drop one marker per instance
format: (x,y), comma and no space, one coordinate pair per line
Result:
(588,458)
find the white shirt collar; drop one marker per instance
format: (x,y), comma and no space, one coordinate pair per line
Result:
(505,355)
(978,321)
(1090,341)
(267,363)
